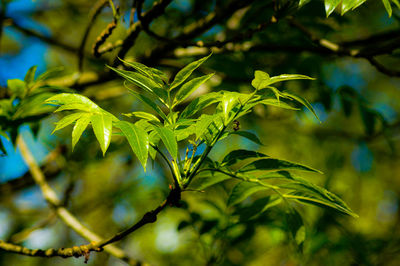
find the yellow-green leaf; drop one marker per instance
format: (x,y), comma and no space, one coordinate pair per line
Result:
(102,127)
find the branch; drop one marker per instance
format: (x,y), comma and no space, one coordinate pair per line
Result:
(367,53)
(49,40)
(3,7)
(156,11)
(98,7)
(195,29)
(173,199)
(70,220)
(76,251)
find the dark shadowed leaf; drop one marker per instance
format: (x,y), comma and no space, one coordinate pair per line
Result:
(243,190)
(271,164)
(239,155)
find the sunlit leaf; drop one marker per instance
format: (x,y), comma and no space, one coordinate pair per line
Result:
(185,72)
(149,103)
(138,140)
(143,82)
(17,87)
(189,87)
(168,138)
(74,99)
(102,127)
(150,72)
(143,115)
(200,103)
(278,103)
(67,120)
(330,6)
(79,127)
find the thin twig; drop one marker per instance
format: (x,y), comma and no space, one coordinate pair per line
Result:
(97,8)
(70,220)
(49,40)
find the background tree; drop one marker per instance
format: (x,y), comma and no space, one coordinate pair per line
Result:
(355,96)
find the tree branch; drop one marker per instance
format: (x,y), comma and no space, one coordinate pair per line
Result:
(156,11)
(70,220)
(49,40)
(367,53)
(97,8)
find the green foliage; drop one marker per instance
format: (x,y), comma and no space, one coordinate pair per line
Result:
(344,6)
(190,128)
(25,103)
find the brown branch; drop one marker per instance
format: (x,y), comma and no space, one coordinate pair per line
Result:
(96,10)
(77,251)
(70,220)
(104,35)
(3,7)
(195,29)
(156,11)
(150,217)
(49,40)
(382,68)
(365,52)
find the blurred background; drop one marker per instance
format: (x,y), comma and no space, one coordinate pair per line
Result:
(356,144)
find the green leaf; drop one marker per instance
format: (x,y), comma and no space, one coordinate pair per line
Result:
(184,73)
(207,179)
(303,2)
(17,87)
(243,190)
(261,80)
(50,73)
(350,5)
(138,140)
(271,164)
(296,227)
(307,192)
(286,77)
(152,73)
(257,207)
(30,76)
(228,102)
(239,155)
(102,127)
(302,101)
(213,128)
(248,135)
(388,7)
(78,101)
(67,120)
(149,103)
(168,138)
(200,103)
(277,103)
(330,6)
(203,123)
(143,115)
(143,82)
(79,127)
(189,87)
